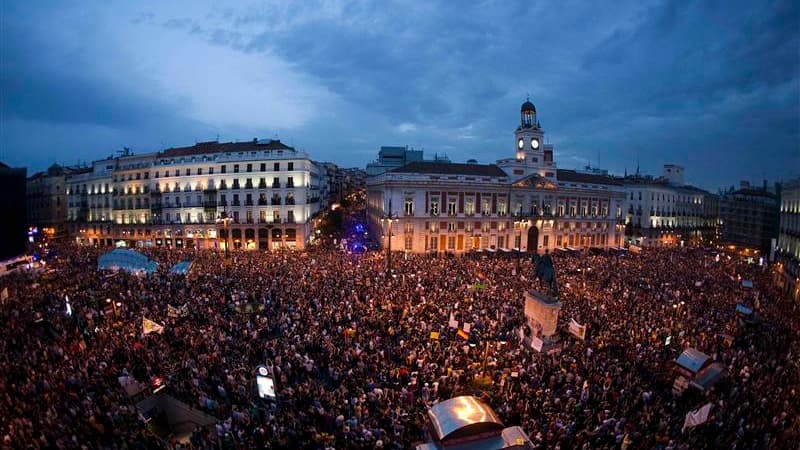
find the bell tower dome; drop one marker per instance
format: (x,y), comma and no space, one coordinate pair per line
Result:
(528,115)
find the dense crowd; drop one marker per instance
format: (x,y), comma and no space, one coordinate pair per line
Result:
(354,362)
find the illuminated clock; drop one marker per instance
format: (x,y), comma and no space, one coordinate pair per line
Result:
(535,144)
(520,144)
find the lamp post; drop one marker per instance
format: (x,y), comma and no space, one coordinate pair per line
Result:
(519,223)
(389,218)
(223,217)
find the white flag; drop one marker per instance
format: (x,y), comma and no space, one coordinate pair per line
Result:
(696,417)
(149,326)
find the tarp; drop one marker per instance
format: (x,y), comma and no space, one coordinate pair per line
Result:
(708,376)
(127,260)
(181,268)
(692,360)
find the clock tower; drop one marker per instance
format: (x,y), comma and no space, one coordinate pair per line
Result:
(528,136)
(531,154)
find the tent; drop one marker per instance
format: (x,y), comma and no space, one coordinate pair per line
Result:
(127,260)
(181,268)
(692,360)
(708,376)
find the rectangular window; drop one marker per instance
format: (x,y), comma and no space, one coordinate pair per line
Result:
(199,170)
(546,240)
(263,167)
(451,226)
(485,207)
(451,242)
(451,207)
(290,166)
(276,216)
(435,207)
(409,243)
(289,182)
(290,216)
(211,171)
(249,167)
(501,208)
(434,242)
(223,169)
(235,168)
(409,227)
(469,208)
(409,207)
(276,167)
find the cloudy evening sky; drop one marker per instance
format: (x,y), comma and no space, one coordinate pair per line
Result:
(714,86)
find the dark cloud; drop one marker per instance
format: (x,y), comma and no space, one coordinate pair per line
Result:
(712,85)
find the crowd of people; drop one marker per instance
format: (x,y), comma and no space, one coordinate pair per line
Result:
(355,363)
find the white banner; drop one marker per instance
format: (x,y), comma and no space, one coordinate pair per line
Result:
(577,330)
(537,343)
(697,417)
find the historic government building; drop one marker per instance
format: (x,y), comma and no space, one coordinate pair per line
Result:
(524,202)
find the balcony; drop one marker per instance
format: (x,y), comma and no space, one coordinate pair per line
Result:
(248,185)
(276,185)
(248,203)
(276,201)
(262,185)
(236,203)
(263,202)
(290,201)
(290,185)
(235,184)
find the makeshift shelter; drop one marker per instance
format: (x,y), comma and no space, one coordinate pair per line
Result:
(466,423)
(708,377)
(691,361)
(181,268)
(127,260)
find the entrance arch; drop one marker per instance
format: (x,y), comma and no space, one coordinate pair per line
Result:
(533,239)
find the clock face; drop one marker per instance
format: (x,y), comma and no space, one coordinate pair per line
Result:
(520,143)
(534,143)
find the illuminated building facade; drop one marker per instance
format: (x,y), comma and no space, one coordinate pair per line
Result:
(524,202)
(788,249)
(664,212)
(243,195)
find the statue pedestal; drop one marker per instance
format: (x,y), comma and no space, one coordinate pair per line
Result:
(541,318)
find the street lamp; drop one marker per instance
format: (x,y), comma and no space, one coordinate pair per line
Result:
(389,218)
(224,219)
(519,223)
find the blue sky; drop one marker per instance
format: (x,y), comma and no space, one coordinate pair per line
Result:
(714,86)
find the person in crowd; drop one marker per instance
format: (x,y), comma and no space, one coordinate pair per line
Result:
(354,363)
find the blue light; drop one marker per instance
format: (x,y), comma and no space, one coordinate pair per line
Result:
(359,228)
